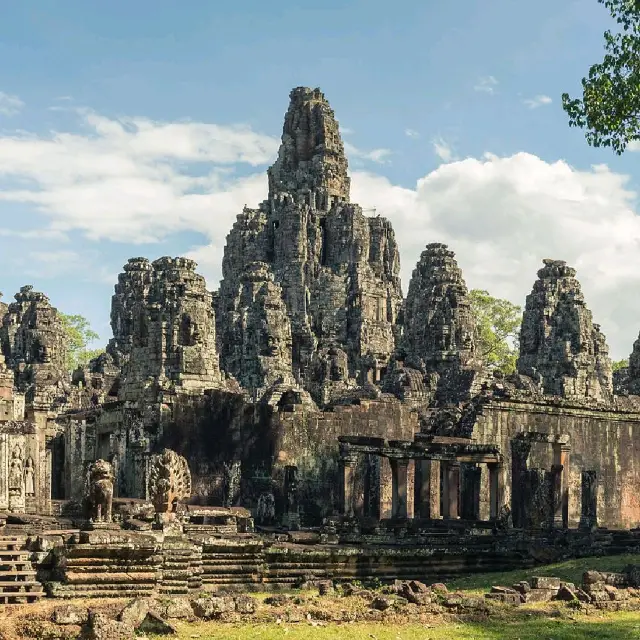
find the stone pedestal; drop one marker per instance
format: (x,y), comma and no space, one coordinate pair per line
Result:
(101,526)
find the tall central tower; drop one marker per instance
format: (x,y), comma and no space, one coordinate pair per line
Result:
(311,260)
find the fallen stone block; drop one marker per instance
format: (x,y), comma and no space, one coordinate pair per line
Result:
(566,594)
(592,577)
(522,587)
(540,595)
(632,573)
(500,589)
(69,614)
(545,582)
(134,612)
(101,627)
(153,623)
(325,587)
(210,607)
(246,605)
(507,598)
(439,587)
(418,587)
(583,596)
(174,609)
(381,603)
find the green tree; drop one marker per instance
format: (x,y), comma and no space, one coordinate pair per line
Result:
(620,364)
(497,330)
(79,334)
(609,110)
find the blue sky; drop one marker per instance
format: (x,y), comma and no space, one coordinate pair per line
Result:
(141,128)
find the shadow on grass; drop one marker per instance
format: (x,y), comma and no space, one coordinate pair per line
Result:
(570,570)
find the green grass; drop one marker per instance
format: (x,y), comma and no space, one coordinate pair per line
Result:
(570,570)
(619,626)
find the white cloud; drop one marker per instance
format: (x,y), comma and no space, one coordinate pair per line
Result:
(375,155)
(443,150)
(411,133)
(128,180)
(486,84)
(502,216)
(10,104)
(537,101)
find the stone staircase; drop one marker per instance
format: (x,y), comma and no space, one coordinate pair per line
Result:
(18,583)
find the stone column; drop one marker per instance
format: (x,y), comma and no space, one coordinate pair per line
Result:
(451,489)
(560,471)
(496,489)
(520,450)
(399,488)
(589,511)
(427,489)
(348,465)
(372,486)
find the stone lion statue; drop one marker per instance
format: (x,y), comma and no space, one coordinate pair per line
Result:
(100,493)
(169,481)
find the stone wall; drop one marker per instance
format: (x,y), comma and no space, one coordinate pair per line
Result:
(605,441)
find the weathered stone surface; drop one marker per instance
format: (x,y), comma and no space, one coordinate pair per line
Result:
(164,332)
(560,346)
(545,582)
(210,607)
(35,347)
(70,614)
(335,269)
(135,612)
(169,481)
(438,323)
(101,627)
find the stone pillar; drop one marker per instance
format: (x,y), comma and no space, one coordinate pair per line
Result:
(520,450)
(348,465)
(427,489)
(496,489)
(589,511)
(372,486)
(451,489)
(560,471)
(399,488)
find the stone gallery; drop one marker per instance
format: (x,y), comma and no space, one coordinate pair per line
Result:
(306,418)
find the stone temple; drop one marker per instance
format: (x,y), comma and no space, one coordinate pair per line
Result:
(308,403)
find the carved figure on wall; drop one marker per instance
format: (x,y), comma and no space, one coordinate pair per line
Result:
(231,483)
(169,481)
(15,471)
(266,510)
(29,477)
(100,493)
(291,488)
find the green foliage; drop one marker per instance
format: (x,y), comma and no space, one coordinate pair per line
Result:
(497,330)
(79,335)
(609,110)
(620,364)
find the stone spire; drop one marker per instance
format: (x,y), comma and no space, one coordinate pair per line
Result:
(164,330)
(336,269)
(311,165)
(34,343)
(438,324)
(559,343)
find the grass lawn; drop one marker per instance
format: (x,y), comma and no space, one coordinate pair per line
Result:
(618,626)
